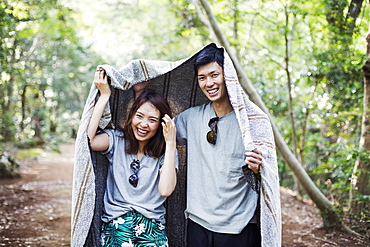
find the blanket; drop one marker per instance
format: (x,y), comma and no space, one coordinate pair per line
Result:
(178,83)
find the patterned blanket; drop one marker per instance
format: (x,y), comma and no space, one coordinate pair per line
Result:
(178,83)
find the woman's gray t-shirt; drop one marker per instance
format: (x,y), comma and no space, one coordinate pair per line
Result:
(120,196)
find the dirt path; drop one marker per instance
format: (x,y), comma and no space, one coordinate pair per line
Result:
(35,210)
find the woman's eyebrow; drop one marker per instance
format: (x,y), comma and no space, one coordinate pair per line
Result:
(148,116)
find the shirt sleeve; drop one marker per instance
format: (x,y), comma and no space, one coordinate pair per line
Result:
(109,152)
(181,128)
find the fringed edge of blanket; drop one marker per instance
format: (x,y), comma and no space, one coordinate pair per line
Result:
(247,112)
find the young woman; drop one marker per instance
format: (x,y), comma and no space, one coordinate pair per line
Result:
(142,170)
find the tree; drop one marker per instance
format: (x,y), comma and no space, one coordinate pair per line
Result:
(360,193)
(343,28)
(331,218)
(344,24)
(44,67)
(326,85)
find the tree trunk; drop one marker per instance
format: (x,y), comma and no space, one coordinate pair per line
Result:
(361,172)
(331,218)
(354,11)
(303,136)
(343,26)
(289,82)
(235,27)
(297,186)
(7,111)
(23,105)
(204,20)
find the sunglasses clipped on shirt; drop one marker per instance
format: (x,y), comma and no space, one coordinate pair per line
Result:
(134,178)
(212,134)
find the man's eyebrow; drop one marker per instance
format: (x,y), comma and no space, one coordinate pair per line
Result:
(212,72)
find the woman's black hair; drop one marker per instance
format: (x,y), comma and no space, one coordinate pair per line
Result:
(156,145)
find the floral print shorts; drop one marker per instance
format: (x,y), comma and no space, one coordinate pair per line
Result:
(133,230)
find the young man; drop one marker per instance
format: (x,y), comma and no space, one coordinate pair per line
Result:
(221,205)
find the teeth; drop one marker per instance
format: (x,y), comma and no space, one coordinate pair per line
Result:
(212,91)
(142,131)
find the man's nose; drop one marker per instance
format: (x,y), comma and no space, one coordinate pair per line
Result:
(209,81)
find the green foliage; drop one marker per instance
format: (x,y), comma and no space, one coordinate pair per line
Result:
(50,48)
(333,177)
(8,166)
(28,143)
(45,69)
(334,172)
(327,83)
(341,75)
(28,153)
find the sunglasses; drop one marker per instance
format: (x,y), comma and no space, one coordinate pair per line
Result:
(212,134)
(134,178)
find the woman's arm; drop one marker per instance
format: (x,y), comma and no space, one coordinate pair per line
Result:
(99,142)
(167,181)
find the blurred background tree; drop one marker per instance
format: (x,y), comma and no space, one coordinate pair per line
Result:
(44,71)
(304,58)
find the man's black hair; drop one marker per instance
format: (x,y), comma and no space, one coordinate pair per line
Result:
(208,55)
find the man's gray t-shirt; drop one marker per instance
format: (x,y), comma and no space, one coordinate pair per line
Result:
(218,195)
(120,196)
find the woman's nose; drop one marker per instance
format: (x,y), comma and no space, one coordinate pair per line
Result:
(144,123)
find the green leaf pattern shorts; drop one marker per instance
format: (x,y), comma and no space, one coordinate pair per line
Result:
(134,230)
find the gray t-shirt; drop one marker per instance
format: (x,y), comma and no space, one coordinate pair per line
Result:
(218,195)
(120,196)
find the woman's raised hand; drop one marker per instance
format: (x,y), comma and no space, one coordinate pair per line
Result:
(101,82)
(169,129)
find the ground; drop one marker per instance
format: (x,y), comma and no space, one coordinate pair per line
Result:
(35,209)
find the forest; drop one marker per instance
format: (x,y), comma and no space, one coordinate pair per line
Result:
(305,63)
